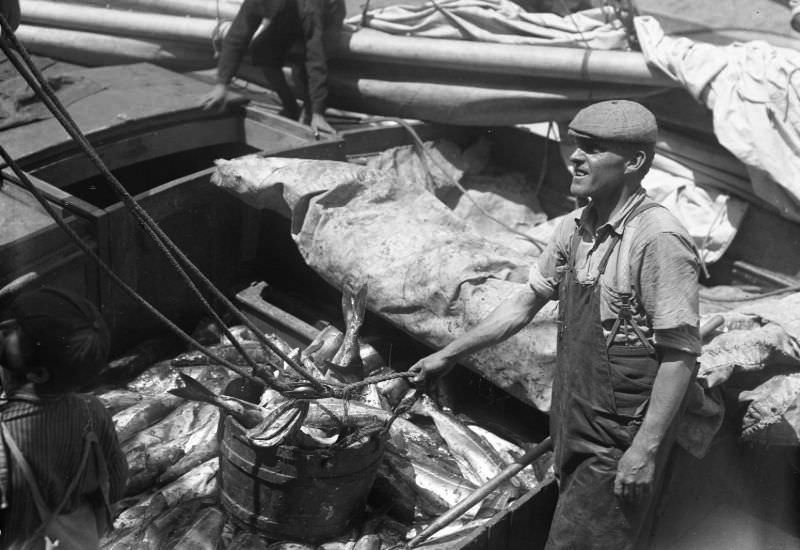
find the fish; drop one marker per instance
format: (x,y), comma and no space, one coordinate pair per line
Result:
(370,395)
(207,449)
(247,540)
(324,346)
(247,414)
(753,350)
(439,486)
(773,411)
(229,353)
(174,519)
(346,363)
(279,425)
(330,412)
(144,414)
(369,541)
(204,534)
(118,399)
(196,483)
(162,376)
(152,452)
(132,363)
(477,460)
(141,513)
(509,453)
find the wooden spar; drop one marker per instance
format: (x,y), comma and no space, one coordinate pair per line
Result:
(118,22)
(193,8)
(523,60)
(368,45)
(452,100)
(93,49)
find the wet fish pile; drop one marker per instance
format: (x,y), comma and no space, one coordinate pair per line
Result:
(167,419)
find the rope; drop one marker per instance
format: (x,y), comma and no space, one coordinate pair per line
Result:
(42,88)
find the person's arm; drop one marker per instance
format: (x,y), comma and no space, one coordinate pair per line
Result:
(636,469)
(234,46)
(507,319)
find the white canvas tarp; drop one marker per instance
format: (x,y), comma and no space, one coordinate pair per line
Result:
(751,89)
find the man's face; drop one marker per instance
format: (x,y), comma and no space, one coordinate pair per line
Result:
(598,168)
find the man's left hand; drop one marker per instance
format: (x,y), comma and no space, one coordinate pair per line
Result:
(320,125)
(635,474)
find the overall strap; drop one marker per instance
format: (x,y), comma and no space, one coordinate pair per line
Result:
(625,315)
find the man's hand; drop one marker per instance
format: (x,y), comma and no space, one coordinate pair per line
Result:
(216,98)
(635,474)
(320,125)
(435,364)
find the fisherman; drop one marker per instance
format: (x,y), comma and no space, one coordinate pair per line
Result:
(285,22)
(625,273)
(61,465)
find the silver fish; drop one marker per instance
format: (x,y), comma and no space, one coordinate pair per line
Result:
(324,345)
(402,430)
(204,533)
(247,414)
(175,519)
(132,363)
(198,454)
(143,415)
(477,460)
(346,362)
(197,482)
(773,411)
(279,425)
(118,399)
(508,452)
(247,540)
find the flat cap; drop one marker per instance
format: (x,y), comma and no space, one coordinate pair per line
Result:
(615,120)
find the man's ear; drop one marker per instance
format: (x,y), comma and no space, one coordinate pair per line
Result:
(39,375)
(636,161)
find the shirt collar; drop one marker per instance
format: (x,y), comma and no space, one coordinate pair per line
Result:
(586,216)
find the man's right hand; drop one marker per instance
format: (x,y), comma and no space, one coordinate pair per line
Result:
(434,365)
(216,98)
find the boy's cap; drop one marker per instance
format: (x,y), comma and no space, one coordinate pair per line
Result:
(67,328)
(615,120)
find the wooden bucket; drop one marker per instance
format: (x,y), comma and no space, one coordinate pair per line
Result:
(290,493)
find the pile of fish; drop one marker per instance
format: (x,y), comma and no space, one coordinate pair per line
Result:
(167,419)
(757,355)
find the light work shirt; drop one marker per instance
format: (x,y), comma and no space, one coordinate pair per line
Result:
(654,265)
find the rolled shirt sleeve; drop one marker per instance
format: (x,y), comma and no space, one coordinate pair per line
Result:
(668,291)
(548,270)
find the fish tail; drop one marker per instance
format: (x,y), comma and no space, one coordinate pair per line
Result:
(360,305)
(193,390)
(354,304)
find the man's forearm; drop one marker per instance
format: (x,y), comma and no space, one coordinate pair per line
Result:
(507,319)
(675,373)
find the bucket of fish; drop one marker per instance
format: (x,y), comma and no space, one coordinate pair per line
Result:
(312,486)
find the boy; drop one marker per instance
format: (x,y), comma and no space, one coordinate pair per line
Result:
(60,464)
